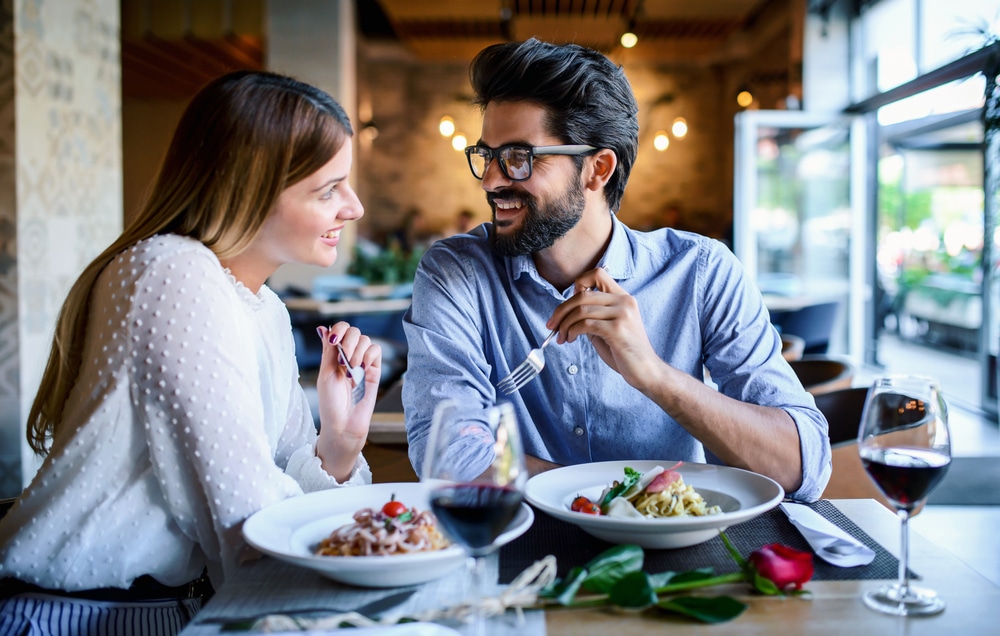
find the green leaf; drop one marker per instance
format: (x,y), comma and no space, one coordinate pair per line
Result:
(670,578)
(633,590)
(610,566)
(693,575)
(566,589)
(632,477)
(764,585)
(717,609)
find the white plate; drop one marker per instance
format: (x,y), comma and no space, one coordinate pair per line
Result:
(289,529)
(741,494)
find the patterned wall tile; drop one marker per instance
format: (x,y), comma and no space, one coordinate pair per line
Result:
(66,174)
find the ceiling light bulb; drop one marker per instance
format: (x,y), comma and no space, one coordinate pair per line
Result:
(447,126)
(459,142)
(744,98)
(679,127)
(661,142)
(629,39)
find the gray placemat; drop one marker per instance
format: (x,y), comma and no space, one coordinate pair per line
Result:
(572,546)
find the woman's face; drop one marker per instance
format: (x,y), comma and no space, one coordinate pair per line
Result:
(305,224)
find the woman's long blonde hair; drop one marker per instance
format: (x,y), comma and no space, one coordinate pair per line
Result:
(242,140)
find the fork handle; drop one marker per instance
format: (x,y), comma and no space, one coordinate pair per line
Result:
(549,337)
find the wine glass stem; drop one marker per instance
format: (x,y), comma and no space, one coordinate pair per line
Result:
(478,567)
(904,552)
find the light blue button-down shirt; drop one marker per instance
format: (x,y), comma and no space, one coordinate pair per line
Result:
(466,331)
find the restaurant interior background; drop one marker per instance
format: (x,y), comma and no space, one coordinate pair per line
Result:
(837,145)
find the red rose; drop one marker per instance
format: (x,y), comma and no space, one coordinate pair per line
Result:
(782,565)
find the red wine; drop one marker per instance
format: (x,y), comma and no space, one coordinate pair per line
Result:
(905,475)
(475,514)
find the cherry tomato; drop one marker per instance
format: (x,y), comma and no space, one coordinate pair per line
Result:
(590,508)
(579,503)
(393,508)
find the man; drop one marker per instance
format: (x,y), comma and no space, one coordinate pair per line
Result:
(640,316)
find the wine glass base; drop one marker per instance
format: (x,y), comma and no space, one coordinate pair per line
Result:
(915,601)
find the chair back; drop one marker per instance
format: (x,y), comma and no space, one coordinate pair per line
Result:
(812,323)
(842,409)
(821,374)
(5,505)
(849,480)
(792,347)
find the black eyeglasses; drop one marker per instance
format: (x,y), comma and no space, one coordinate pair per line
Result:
(515,160)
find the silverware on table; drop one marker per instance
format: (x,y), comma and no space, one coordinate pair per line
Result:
(370,609)
(357,376)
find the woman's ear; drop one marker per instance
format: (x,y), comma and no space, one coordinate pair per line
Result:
(601,165)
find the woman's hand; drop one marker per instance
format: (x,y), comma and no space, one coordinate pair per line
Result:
(343,424)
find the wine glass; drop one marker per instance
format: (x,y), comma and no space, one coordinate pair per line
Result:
(475,463)
(906,449)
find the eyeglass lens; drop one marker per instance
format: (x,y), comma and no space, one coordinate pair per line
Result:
(514,162)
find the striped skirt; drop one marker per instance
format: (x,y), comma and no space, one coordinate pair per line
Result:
(36,614)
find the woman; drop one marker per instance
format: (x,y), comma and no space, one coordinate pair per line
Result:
(171,396)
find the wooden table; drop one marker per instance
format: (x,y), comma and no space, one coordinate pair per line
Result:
(835,608)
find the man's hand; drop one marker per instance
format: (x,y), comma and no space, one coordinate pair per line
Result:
(609,316)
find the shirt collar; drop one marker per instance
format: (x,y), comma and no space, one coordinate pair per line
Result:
(617,259)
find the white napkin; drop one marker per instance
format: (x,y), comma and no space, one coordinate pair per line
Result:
(830,543)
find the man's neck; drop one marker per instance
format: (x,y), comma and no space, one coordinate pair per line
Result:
(578,251)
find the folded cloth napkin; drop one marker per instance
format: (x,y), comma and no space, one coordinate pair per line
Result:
(830,543)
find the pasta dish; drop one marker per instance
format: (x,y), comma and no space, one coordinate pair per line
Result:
(392,530)
(656,494)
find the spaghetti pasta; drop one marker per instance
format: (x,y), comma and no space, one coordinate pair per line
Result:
(656,494)
(374,533)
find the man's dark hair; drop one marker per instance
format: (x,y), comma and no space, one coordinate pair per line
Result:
(588,99)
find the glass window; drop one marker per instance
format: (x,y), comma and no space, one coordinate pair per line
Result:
(887,30)
(957,96)
(950,30)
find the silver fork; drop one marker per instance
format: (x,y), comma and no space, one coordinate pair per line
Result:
(527,370)
(357,376)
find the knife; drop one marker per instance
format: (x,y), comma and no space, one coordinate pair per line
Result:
(371,609)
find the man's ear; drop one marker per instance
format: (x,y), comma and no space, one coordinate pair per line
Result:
(600,166)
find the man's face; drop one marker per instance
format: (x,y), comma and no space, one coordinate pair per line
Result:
(530,215)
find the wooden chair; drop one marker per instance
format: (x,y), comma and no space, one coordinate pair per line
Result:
(792,347)
(821,374)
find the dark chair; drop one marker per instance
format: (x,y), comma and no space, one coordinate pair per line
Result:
(821,374)
(812,323)
(5,505)
(848,480)
(842,409)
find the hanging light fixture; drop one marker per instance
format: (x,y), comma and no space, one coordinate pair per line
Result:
(679,128)
(446,126)
(660,141)
(744,97)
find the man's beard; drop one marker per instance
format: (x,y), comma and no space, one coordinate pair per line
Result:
(541,226)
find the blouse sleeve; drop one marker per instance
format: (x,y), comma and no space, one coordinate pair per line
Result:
(298,445)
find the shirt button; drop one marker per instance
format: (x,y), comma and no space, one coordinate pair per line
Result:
(572,369)
(578,430)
